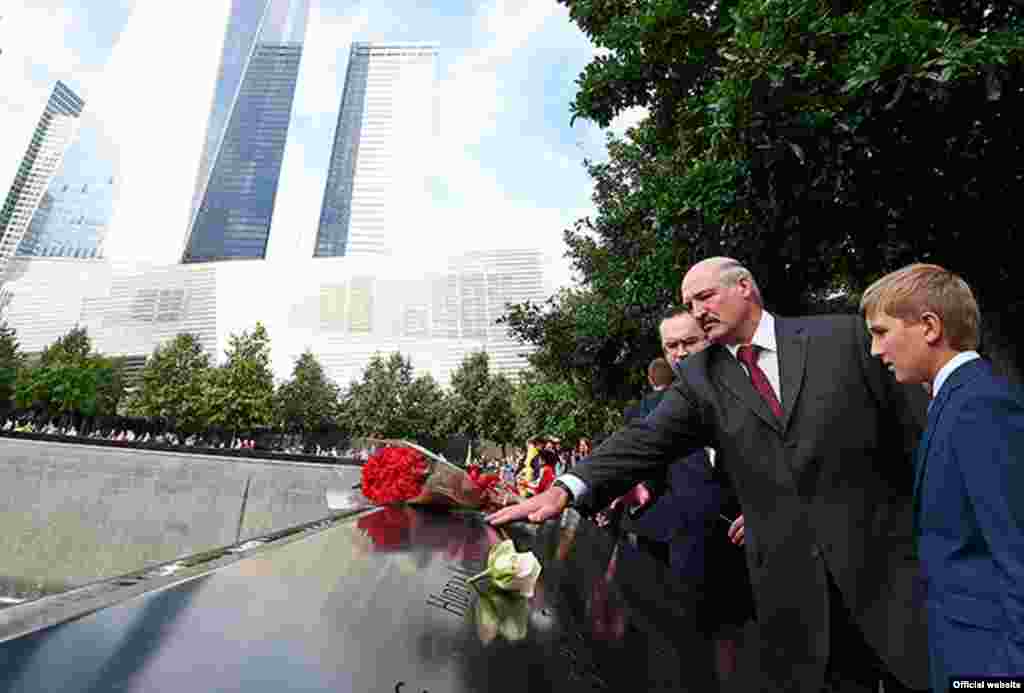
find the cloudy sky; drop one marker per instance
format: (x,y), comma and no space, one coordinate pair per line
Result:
(509,169)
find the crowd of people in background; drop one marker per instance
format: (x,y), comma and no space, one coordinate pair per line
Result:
(523,469)
(212,441)
(534,470)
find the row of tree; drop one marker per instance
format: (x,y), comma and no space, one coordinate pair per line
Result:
(180,386)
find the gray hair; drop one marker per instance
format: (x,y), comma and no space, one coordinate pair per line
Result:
(731,273)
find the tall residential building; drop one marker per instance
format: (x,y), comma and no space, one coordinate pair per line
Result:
(383,149)
(56,128)
(240,167)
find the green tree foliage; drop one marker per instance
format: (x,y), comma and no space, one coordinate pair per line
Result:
(547,407)
(389,402)
(71,381)
(240,394)
(497,412)
(425,408)
(822,144)
(73,347)
(309,400)
(110,383)
(470,385)
(11,361)
(373,405)
(171,383)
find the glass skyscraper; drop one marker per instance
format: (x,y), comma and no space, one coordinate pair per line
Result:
(387,120)
(56,128)
(75,213)
(240,166)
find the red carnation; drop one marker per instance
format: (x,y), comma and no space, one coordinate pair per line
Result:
(394,475)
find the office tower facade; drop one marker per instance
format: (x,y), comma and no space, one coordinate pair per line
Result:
(75,213)
(71,220)
(476,292)
(240,167)
(383,143)
(53,133)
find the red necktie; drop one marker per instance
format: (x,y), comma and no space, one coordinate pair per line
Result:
(748,356)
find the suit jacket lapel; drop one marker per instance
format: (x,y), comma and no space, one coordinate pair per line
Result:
(730,374)
(960,376)
(791,343)
(922,448)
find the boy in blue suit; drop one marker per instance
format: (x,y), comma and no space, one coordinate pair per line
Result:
(969,472)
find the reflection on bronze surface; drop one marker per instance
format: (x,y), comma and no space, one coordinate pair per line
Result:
(500,613)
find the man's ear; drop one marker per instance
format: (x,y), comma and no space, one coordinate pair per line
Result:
(934,330)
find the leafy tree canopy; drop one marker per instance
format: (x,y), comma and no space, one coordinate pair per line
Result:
(309,400)
(470,384)
(171,383)
(375,405)
(822,144)
(240,394)
(70,380)
(11,362)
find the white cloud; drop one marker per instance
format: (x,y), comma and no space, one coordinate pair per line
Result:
(477,93)
(37,36)
(474,93)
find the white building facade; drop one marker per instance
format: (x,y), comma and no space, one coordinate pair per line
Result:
(344,310)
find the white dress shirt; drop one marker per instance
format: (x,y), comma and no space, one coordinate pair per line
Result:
(767,353)
(767,360)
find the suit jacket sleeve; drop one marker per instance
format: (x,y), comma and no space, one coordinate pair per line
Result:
(988,443)
(644,449)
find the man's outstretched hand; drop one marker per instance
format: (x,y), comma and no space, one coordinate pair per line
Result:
(536,509)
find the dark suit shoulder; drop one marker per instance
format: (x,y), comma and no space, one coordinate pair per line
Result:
(975,380)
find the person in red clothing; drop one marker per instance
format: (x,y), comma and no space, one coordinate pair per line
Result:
(548,460)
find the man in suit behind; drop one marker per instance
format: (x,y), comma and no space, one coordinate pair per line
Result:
(817,439)
(694,505)
(659,377)
(969,472)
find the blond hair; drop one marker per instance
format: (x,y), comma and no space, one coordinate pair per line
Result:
(910,292)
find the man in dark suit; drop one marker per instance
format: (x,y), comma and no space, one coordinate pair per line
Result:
(969,472)
(689,517)
(817,439)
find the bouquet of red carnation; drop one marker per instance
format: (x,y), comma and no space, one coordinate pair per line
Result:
(403,472)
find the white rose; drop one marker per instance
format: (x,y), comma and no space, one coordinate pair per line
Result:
(512,571)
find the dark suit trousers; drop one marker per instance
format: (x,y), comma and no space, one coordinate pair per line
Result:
(853,665)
